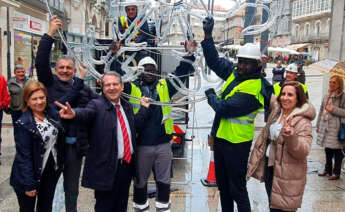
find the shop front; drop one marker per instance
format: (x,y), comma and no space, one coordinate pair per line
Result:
(27,34)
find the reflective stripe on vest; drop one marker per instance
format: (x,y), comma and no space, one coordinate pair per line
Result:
(240,129)
(135,92)
(277,88)
(124,24)
(163,92)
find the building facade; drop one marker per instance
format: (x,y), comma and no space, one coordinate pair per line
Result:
(311,20)
(281,30)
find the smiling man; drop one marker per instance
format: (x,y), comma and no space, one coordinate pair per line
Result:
(244,94)
(110,161)
(58,85)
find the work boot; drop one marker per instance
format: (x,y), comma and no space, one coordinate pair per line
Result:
(141,208)
(162,207)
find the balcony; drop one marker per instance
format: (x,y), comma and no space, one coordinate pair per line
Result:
(311,15)
(310,39)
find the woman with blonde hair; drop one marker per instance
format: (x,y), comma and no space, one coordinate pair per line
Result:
(332,110)
(279,157)
(39,148)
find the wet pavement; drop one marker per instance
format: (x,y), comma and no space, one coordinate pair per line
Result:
(321,195)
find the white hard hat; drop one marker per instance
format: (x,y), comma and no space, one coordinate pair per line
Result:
(292,68)
(146,61)
(250,51)
(130,3)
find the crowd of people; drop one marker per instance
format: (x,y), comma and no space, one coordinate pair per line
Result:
(58,120)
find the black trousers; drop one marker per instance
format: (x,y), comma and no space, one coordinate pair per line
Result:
(268,179)
(338,156)
(116,199)
(231,167)
(45,193)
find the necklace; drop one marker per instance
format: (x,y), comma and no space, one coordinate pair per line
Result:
(39,118)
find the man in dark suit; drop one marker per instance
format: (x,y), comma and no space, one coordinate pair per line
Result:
(109,165)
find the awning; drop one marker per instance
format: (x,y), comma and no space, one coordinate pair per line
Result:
(323,65)
(232,46)
(298,46)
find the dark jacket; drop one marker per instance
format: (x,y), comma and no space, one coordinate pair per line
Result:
(278,73)
(144,35)
(27,164)
(153,132)
(57,88)
(101,158)
(239,104)
(15,89)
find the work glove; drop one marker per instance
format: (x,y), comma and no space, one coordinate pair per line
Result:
(209,92)
(208,24)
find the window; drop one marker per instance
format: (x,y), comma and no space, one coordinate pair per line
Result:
(328,26)
(307,29)
(106,29)
(317,28)
(297,31)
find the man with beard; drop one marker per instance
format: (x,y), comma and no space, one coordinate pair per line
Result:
(244,94)
(154,149)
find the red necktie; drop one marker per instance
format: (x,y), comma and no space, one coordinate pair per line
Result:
(126,145)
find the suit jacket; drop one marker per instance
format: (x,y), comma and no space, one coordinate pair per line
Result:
(101,158)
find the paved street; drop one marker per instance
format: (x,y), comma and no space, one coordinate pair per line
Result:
(321,195)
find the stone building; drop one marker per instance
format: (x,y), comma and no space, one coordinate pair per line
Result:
(281,30)
(310,27)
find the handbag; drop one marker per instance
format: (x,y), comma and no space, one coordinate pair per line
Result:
(341,133)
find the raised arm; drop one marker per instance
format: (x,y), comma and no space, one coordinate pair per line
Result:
(44,72)
(221,66)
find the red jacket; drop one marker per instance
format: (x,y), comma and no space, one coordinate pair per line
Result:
(5,97)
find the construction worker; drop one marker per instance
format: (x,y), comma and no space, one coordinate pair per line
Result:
(244,94)
(125,21)
(291,73)
(154,148)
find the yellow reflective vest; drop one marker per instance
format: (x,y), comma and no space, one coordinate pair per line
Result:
(277,88)
(124,24)
(240,129)
(163,93)
(135,92)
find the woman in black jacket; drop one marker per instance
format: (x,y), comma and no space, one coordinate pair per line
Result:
(39,148)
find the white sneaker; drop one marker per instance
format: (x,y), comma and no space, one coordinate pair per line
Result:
(141,208)
(162,207)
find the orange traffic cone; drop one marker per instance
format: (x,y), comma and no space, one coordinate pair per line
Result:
(210,181)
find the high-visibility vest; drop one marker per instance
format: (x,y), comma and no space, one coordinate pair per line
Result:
(163,93)
(240,129)
(135,92)
(124,24)
(277,88)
